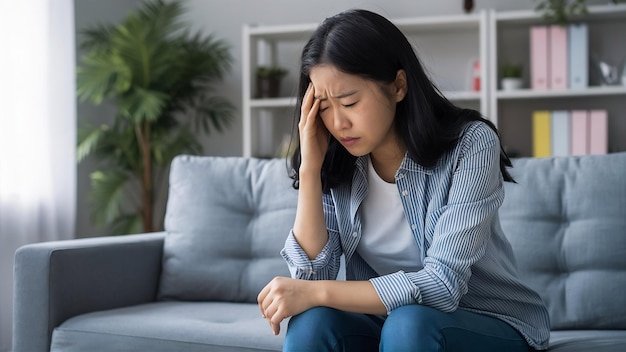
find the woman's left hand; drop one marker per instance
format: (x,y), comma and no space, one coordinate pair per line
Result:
(285,297)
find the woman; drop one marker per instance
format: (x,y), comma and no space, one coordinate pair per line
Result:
(406,186)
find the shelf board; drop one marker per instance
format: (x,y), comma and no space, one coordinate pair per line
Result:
(285,102)
(438,23)
(462,95)
(281,32)
(536,94)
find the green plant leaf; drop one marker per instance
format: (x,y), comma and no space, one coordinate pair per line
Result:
(216,112)
(88,140)
(127,224)
(107,194)
(142,105)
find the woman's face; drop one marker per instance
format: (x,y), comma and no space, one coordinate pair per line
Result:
(358,112)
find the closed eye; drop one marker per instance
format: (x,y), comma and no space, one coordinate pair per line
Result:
(349,105)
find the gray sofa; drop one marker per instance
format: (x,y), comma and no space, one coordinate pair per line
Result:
(194,286)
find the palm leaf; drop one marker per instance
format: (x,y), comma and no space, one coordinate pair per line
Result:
(127,224)
(108,194)
(89,139)
(142,104)
(214,111)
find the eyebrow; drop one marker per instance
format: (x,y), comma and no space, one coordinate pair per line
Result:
(340,96)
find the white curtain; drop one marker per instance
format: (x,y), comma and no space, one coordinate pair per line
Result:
(37,133)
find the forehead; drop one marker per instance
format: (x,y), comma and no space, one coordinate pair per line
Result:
(327,78)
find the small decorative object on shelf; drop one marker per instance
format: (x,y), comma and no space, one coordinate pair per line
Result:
(468,5)
(268,81)
(511,76)
(609,74)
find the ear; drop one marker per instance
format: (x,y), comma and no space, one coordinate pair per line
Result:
(400,86)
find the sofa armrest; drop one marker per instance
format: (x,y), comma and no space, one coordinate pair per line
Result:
(55,281)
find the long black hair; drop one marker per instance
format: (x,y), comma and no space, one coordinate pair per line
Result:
(366,44)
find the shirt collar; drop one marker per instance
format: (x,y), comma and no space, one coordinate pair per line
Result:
(407,165)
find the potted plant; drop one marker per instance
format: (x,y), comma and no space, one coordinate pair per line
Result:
(159,77)
(268,81)
(511,76)
(561,11)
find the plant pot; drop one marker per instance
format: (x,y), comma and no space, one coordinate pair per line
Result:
(509,83)
(267,87)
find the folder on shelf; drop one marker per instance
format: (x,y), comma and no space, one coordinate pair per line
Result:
(598,132)
(578,56)
(560,133)
(558,70)
(539,55)
(579,127)
(541,134)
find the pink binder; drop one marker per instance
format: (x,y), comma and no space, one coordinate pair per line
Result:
(539,55)
(579,126)
(598,132)
(558,66)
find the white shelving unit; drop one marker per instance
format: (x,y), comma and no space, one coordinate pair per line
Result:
(447,46)
(458,39)
(512,110)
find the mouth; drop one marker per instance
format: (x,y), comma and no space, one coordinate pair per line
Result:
(348,141)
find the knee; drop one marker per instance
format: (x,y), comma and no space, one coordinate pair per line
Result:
(299,331)
(411,328)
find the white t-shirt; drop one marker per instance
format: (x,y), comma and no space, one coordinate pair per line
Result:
(387,243)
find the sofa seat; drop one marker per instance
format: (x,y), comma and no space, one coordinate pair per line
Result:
(169,326)
(588,340)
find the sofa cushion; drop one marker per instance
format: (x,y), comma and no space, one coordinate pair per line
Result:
(566,221)
(588,341)
(169,326)
(227,220)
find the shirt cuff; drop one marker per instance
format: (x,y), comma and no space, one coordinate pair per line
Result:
(396,290)
(300,266)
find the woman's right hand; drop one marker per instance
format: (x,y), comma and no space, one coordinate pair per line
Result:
(313,134)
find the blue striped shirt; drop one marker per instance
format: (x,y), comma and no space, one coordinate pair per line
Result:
(452,209)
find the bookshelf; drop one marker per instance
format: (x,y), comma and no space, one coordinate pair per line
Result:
(447,46)
(512,110)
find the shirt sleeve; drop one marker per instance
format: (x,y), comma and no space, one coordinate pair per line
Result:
(461,234)
(327,263)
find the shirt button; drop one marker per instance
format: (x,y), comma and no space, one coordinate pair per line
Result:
(405,193)
(354,234)
(414,226)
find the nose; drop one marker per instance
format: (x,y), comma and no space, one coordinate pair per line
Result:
(340,120)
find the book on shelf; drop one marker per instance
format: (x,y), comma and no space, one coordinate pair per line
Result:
(541,134)
(560,133)
(578,56)
(579,125)
(598,132)
(539,57)
(558,61)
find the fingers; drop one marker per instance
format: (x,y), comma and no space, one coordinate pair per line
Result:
(310,107)
(261,299)
(307,100)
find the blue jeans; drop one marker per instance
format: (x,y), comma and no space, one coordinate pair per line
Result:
(408,328)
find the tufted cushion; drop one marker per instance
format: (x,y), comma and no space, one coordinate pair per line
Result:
(227,219)
(566,221)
